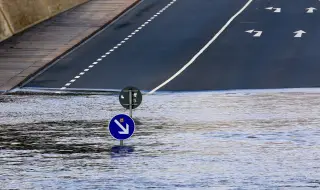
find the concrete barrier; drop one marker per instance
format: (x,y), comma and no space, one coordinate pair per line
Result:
(17,15)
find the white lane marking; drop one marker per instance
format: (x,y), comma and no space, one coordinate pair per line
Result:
(310,9)
(299,33)
(119,44)
(203,49)
(257,33)
(276,10)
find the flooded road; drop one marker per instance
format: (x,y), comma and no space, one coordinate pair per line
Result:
(203,140)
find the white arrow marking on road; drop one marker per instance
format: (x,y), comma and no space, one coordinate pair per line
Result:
(311,9)
(125,130)
(258,33)
(299,33)
(250,31)
(276,10)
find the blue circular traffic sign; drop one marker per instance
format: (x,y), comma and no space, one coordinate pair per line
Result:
(121,127)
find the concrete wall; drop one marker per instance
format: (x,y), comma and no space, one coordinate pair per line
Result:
(17,15)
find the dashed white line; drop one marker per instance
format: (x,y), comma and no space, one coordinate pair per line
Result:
(203,49)
(118,45)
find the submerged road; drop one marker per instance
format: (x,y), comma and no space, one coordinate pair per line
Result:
(197,45)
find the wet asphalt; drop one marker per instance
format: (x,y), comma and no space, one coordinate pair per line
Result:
(236,60)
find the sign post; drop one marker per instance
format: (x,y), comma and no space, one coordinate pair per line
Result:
(130,98)
(130,102)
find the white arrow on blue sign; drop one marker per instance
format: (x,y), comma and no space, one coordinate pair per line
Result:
(121,127)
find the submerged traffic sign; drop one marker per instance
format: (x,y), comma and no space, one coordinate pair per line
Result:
(136,97)
(121,127)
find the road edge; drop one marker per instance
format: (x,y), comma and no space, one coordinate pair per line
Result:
(54,56)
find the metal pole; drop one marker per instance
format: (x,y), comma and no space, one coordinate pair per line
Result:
(121,142)
(130,102)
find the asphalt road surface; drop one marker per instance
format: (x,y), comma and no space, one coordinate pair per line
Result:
(186,45)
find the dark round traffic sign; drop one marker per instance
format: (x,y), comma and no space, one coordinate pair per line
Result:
(136,97)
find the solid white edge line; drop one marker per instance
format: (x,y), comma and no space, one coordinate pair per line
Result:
(203,49)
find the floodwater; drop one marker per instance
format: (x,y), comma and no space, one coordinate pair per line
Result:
(204,140)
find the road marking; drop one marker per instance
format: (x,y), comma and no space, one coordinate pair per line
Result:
(119,44)
(203,49)
(311,9)
(258,33)
(276,10)
(299,33)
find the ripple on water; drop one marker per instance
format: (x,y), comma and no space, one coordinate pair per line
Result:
(224,141)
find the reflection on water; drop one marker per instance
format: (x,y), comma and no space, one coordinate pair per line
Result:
(182,141)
